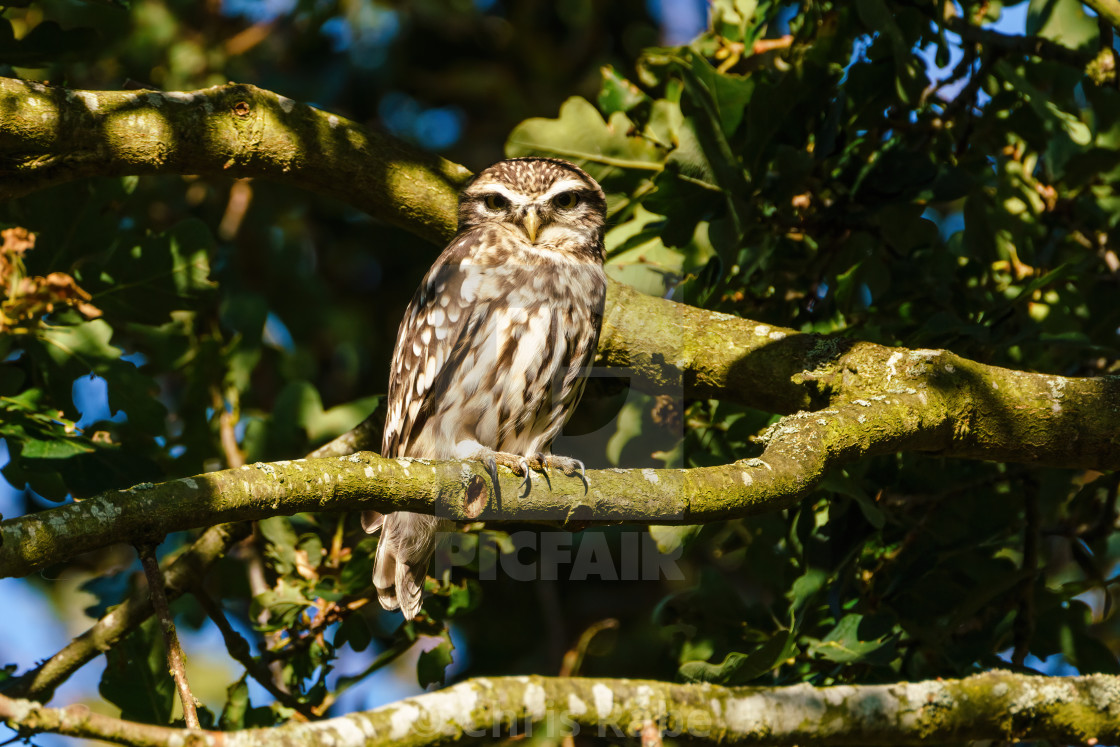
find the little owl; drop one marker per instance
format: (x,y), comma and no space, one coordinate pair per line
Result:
(494,348)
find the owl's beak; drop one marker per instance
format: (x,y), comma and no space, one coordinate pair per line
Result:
(531,223)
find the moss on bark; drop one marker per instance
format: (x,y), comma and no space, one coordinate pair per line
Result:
(991,706)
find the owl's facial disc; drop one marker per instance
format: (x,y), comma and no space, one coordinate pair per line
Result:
(549,204)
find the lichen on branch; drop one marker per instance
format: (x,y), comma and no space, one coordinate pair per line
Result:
(991,706)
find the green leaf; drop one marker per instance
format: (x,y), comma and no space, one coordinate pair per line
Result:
(845,645)
(1063,21)
(608,150)
(739,20)
(284,604)
(877,16)
(617,94)
(136,678)
(431,667)
(109,590)
(237,704)
(355,575)
(628,427)
(670,538)
(1045,107)
(805,589)
(62,448)
(354,631)
(716,104)
(737,668)
(728,96)
(842,484)
(281,540)
(145,282)
(324,425)
(312,548)
(81,348)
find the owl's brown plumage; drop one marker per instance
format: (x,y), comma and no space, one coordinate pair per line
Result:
(494,347)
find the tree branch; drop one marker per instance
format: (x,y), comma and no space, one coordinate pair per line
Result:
(181,574)
(50,135)
(913,401)
(992,706)
(875,399)
(40,683)
(999,414)
(175,664)
(238,649)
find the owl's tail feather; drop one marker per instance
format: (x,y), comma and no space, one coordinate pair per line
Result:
(401,561)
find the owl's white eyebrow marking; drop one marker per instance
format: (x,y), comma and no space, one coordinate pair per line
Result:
(566,185)
(515,198)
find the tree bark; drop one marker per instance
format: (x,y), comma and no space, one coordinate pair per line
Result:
(992,706)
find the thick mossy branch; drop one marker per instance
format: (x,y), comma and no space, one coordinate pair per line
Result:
(910,410)
(796,458)
(997,706)
(50,134)
(995,413)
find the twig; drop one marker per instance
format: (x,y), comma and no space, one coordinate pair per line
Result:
(240,195)
(238,648)
(1025,618)
(227,426)
(570,667)
(384,659)
(247,38)
(170,638)
(573,660)
(40,683)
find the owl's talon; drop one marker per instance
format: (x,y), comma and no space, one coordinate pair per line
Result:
(492,469)
(527,483)
(583,476)
(541,459)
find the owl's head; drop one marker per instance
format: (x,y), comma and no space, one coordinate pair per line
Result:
(549,201)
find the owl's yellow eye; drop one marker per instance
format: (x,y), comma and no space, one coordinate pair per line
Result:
(495,201)
(565,200)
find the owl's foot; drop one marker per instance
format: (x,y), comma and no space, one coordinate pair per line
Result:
(518,464)
(521,465)
(567,465)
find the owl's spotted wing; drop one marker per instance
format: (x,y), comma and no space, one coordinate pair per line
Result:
(434,325)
